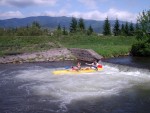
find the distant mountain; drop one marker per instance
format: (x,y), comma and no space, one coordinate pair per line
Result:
(51,22)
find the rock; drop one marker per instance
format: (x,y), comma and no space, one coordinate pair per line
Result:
(85,54)
(50,55)
(57,54)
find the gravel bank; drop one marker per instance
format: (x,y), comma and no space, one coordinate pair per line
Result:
(56,54)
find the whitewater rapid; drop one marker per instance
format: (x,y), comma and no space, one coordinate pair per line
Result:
(61,90)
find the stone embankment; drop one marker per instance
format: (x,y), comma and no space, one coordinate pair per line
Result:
(57,54)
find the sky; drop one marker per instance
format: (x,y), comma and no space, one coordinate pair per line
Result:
(126,10)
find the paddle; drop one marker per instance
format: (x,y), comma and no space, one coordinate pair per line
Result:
(88,64)
(67,67)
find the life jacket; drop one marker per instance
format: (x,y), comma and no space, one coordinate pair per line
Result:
(99,66)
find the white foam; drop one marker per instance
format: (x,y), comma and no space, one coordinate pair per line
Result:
(65,88)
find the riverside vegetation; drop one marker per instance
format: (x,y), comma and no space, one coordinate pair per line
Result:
(106,46)
(142,47)
(120,41)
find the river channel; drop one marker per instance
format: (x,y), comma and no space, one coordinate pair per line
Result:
(123,86)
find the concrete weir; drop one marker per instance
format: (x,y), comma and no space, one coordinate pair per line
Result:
(85,54)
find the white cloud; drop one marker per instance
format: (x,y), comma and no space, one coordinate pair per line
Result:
(111,13)
(94,15)
(11,14)
(62,12)
(121,15)
(55,14)
(25,3)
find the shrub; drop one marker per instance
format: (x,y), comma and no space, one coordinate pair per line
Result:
(141,49)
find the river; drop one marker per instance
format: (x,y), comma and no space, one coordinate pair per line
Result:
(139,62)
(32,88)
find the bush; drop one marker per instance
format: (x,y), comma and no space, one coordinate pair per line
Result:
(141,49)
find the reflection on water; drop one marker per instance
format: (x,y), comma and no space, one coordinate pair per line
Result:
(32,88)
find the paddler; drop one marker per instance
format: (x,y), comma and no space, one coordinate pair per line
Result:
(95,65)
(77,67)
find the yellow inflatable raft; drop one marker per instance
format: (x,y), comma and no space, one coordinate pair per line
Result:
(70,71)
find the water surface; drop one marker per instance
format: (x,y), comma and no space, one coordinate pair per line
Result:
(32,88)
(140,62)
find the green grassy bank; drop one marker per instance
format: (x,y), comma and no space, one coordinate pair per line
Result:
(107,46)
(11,45)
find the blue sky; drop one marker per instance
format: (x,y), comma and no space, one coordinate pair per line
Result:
(126,10)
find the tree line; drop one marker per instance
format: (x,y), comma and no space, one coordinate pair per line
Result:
(141,31)
(76,25)
(127,29)
(33,30)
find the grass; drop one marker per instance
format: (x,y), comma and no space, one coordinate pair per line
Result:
(16,45)
(107,46)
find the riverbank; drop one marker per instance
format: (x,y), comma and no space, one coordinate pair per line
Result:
(107,46)
(56,54)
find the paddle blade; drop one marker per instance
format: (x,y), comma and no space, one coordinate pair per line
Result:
(67,67)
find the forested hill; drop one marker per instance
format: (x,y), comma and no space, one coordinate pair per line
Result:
(51,22)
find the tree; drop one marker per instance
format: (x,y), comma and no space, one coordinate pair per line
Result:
(144,20)
(36,24)
(35,29)
(126,29)
(116,29)
(90,30)
(106,27)
(131,29)
(81,24)
(58,31)
(58,27)
(122,29)
(142,47)
(73,25)
(64,31)
(138,32)
(144,23)
(137,28)
(30,30)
